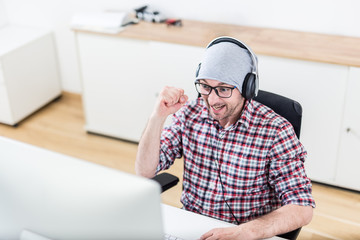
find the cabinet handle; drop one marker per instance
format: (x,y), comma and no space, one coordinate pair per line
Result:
(349,130)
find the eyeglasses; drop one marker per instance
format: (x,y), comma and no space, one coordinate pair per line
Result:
(223,92)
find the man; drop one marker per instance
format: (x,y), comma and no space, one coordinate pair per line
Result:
(242,162)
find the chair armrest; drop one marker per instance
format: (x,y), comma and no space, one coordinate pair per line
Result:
(291,235)
(166,180)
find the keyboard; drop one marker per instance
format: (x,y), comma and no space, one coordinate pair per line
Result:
(171,237)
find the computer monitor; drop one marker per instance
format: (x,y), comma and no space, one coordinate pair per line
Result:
(61,197)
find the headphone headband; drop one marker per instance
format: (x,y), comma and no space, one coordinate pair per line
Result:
(254,69)
(250,86)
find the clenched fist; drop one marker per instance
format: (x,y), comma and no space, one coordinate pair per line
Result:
(170,100)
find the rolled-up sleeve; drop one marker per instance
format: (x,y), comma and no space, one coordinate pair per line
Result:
(170,143)
(287,172)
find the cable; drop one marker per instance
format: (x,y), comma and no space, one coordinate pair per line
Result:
(223,192)
(221,182)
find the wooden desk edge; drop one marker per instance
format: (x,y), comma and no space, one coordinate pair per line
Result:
(307,46)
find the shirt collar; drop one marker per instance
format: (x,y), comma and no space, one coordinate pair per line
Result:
(245,117)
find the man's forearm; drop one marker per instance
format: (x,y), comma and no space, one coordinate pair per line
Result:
(147,157)
(282,220)
(170,100)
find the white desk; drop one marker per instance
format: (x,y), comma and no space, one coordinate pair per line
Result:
(175,221)
(189,225)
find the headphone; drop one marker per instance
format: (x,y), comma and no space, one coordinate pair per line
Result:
(250,85)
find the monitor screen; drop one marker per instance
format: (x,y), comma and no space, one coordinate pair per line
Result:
(61,197)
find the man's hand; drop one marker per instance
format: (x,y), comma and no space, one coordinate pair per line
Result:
(230,233)
(170,100)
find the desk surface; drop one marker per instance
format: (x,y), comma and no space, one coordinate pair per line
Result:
(189,225)
(334,49)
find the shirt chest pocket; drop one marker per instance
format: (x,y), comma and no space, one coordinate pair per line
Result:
(244,177)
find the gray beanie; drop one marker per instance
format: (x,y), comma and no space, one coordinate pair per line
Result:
(225,62)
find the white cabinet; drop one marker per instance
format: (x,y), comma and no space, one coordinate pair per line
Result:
(29,76)
(348,166)
(329,95)
(122,78)
(320,89)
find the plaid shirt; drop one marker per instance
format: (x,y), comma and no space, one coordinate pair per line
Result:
(253,166)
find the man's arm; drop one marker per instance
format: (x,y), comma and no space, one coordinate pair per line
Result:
(170,100)
(282,220)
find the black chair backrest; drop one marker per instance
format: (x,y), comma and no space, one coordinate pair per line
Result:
(286,107)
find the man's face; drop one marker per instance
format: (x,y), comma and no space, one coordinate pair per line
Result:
(225,110)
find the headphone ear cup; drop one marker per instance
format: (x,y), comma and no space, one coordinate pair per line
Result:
(249,86)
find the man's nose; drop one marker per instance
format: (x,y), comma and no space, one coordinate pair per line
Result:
(213,97)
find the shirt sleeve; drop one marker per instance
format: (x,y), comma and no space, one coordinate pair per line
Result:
(287,172)
(171,143)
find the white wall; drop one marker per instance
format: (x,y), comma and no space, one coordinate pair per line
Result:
(3,15)
(323,16)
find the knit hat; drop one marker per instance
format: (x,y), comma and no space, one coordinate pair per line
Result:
(225,62)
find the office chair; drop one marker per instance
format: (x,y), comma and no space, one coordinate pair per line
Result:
(287,108)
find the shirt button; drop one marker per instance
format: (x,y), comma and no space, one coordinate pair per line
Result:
(221,135)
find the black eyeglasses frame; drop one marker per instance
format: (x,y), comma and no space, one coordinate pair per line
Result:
(197,84)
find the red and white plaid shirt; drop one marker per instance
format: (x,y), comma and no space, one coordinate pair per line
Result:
(256,165)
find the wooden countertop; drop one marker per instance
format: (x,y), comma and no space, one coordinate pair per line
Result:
(264,41)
